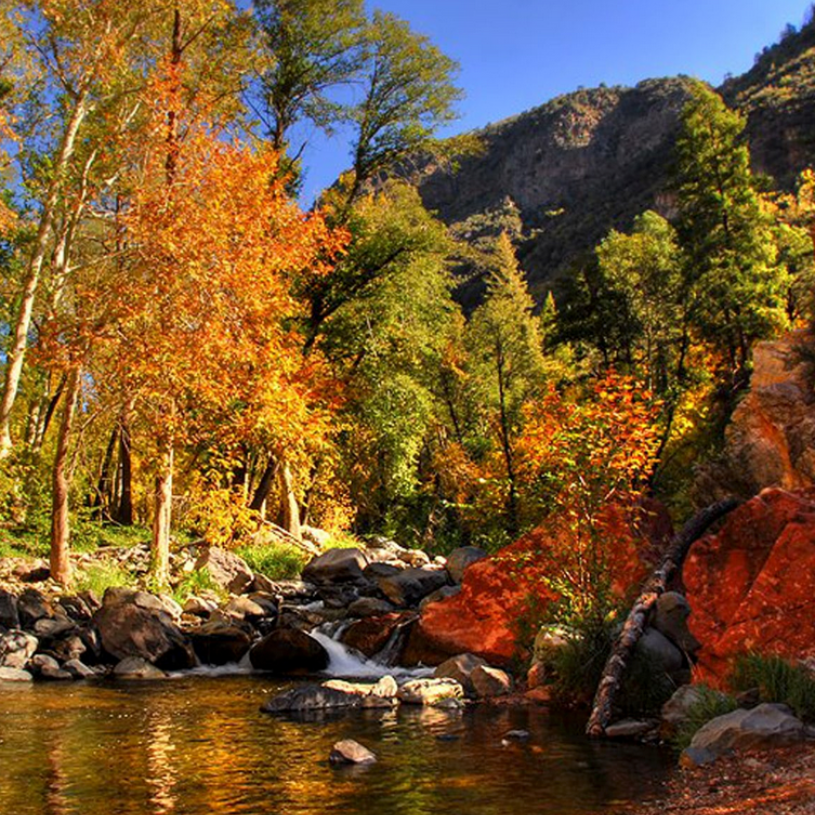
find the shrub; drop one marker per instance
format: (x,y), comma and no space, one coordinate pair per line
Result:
(777,680)
(711,703)
(278,561)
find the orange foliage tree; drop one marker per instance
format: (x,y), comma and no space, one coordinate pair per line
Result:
(583,465)
(207,337)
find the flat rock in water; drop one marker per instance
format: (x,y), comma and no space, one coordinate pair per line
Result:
(349,751)
(15,675)
(430,691)
(310,698)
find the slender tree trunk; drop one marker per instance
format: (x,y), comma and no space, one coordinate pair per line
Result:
(16,353)
(160,547)
(506,446)
(60,531)
(290,508)
(124,509)
(632,630)
(102,501)
(264,486)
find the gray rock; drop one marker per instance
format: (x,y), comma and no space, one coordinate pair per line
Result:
(349,751)
(76,608)
(415,557)
(79,670)
(290,590)
(660,651)
(307,698)
(199,606)
(459,559)
(226,569)
(632,729)
(9,618)
(460,669)
(765,726)
(696,757)
(289,651)
(336,566)
(676,710)
(16,648)
(338,596)
(671,619)
(15,675)
(220,643)
(489,682)
(433,692)
(137,668)
(47,667)
(408,587)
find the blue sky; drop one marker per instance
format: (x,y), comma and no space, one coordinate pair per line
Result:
(517,54)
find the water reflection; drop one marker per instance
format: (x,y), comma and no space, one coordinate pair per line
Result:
(201,747)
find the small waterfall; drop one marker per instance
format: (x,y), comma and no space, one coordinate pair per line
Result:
(348,663)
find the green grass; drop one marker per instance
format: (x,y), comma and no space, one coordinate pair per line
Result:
(277,561)
(777,680)
(196,582)
(712,703)
(101,576)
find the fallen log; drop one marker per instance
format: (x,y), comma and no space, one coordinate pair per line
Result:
(632,630)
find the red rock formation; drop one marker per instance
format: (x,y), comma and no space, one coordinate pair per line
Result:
(751,587)
(497,593)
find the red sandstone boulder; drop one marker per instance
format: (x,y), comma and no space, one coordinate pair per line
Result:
(496,595)
(752,586)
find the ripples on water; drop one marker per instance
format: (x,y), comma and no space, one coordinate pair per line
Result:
(200,746)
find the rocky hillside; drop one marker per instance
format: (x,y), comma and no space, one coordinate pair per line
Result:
(561,175)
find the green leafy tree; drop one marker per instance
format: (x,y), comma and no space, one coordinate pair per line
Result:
(734,284)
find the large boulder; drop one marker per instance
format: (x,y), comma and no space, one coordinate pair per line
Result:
(763,727)
(131,624)
(289,651)
(336,566)
(671,620)
(752,585)
(226,569)
(483,617)
(770,441)
(32,605)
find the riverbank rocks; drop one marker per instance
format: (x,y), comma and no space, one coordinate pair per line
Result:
(16,648)
(310,699)
(349,751)
(134,624)
(9,618)
(752,585)
(495,592)
(371,634)
(226,569)
(489,682)
(407,587)
(15,675)
(763,727)
(137,668)
(460,668)
(289,651)
(336,566)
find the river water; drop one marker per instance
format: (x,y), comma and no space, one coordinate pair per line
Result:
(199,745)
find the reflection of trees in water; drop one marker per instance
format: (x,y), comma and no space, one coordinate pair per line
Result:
(161,775)
(56,781)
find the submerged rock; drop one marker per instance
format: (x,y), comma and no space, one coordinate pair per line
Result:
(349,751)
(289,651)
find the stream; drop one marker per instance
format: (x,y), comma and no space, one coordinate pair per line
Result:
(198,745)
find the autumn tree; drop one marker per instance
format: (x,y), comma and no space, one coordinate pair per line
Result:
(506,362)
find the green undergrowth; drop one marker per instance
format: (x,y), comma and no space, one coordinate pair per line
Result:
(277,561)
(196,582)
(777,680)
(98,577)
